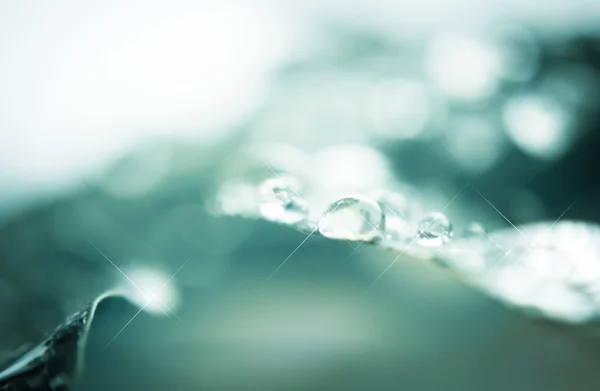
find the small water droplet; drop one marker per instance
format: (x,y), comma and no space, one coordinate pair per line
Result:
(353,218)
(474,230)
(280,201)
(281,186)
(434,230)
(293,210)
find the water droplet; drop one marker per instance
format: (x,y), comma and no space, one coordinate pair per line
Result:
(281,187)
(434,230)
(280,201)
(292,211)
(474,230)
(353,218)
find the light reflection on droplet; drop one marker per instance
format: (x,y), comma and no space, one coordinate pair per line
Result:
(282,186)
(280,201)
(289,211)
(434,230)
(353,218)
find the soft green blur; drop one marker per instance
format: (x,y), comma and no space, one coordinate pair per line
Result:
(125,183)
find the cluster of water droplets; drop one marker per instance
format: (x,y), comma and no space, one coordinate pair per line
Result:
(384,218)
(546,269)
(377,217)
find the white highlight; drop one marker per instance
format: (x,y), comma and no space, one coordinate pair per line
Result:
(82,84)
(155,291)
(398,108)
(538,125)
(464,68)
(350,167)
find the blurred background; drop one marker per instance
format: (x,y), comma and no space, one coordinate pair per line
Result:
(134,136)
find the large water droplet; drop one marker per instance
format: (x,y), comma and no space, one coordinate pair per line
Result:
(280,201)
(434,230)
(353,218)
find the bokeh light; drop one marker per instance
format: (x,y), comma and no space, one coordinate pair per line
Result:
(538,125)
(464,67)
(152,289)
